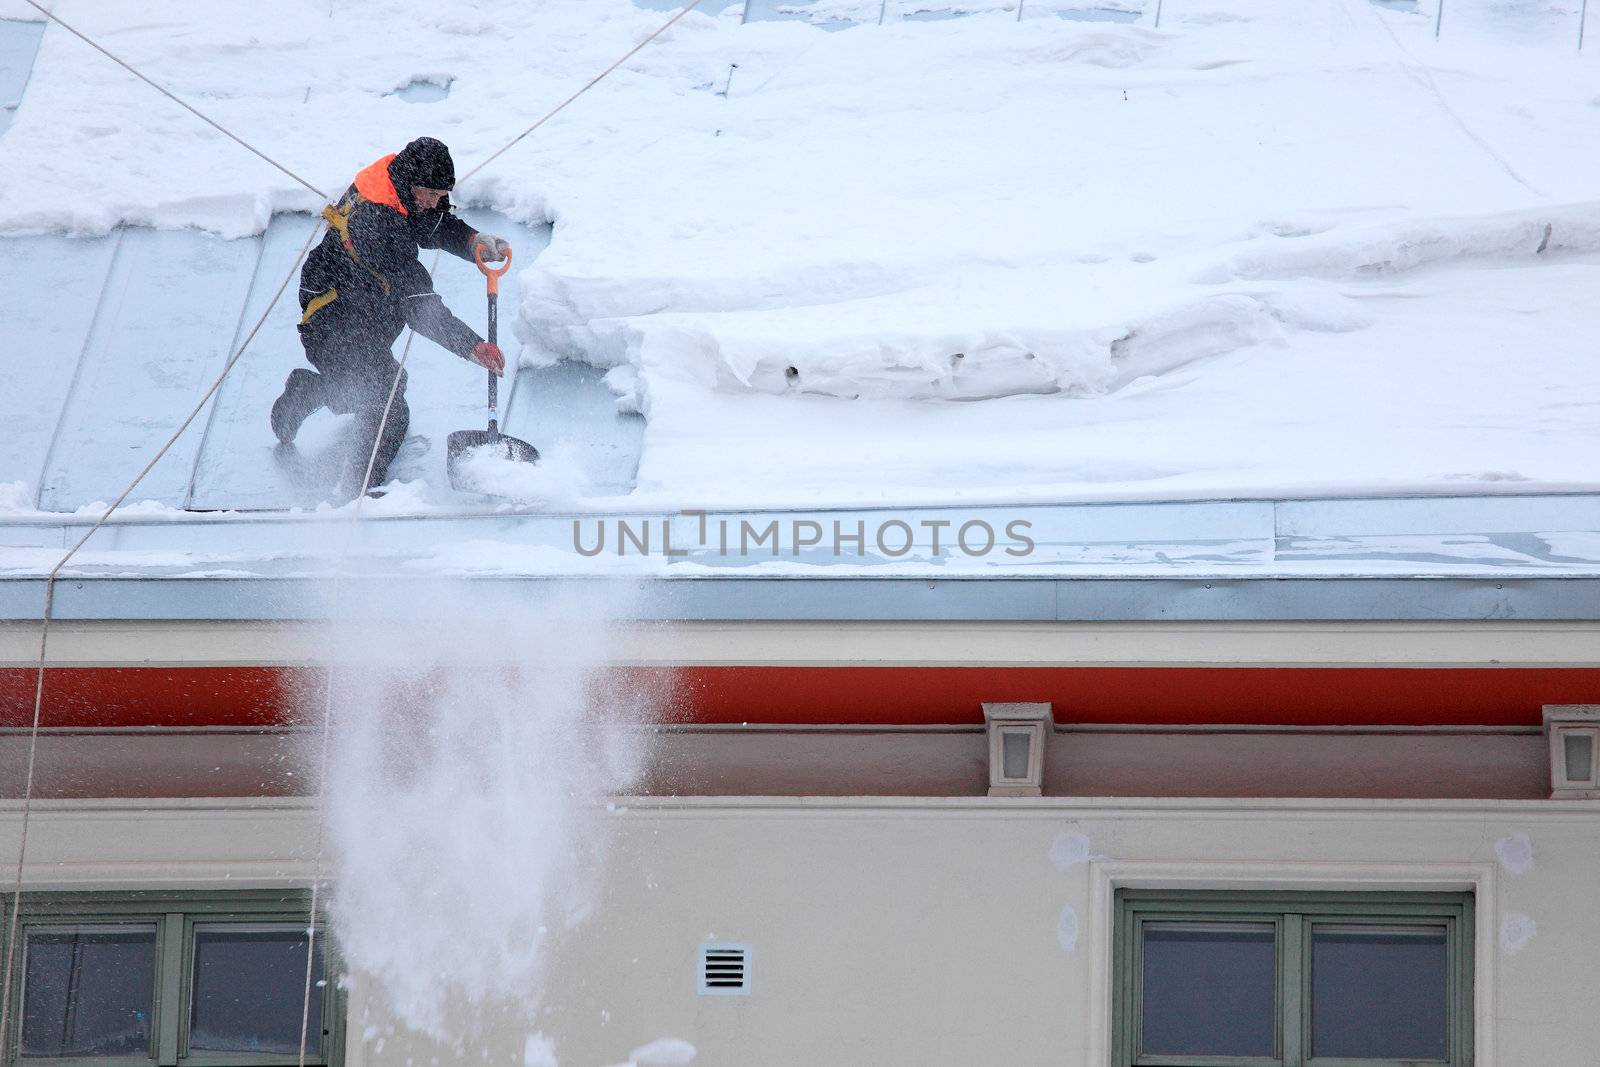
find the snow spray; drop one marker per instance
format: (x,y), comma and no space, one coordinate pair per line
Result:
(474,741)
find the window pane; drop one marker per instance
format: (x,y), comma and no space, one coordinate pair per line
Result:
(1378,992)
(1014,753)
(249,989)
(1209,989)
(1579,751)
(88,990)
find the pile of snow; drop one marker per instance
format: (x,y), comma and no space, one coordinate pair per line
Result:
(15,498)
(556,479)
(1266,247)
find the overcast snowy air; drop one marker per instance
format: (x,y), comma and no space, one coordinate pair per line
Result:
(629,533)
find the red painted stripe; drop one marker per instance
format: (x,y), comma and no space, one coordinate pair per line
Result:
(156,696)
(1354,696)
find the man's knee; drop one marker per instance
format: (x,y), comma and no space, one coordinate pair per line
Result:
(381,392)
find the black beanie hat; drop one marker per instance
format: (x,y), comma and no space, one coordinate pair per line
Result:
(425,162)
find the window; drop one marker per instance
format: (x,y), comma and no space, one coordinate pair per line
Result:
(1574,732)
(168,980)
(1207,979)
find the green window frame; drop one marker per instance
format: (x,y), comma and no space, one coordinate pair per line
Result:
(174,916)
(1291,916)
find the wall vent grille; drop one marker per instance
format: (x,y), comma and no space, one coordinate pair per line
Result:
(724,970)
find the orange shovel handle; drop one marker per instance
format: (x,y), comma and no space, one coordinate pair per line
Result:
(491,273)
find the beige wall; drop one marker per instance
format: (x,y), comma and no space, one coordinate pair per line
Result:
(830,642)
(922,932)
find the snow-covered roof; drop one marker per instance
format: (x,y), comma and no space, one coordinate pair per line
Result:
(1261,293)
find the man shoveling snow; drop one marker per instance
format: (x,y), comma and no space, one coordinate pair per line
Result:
(363,285)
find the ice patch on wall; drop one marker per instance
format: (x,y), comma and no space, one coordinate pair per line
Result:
(539,1051)
(1069,850)
(473,744)
(1515,853)
(1516,931)
(1067,929)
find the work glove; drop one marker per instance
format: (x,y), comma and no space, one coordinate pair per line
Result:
(490,248)
(487,354)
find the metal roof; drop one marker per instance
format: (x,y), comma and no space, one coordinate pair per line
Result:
(19,43)
(112,340)
(125,333)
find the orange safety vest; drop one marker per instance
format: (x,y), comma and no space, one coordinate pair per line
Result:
(373,185)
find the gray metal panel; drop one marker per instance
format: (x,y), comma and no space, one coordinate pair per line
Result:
(161,599)
(19,44)
(234,467)
(1037,9)
(707,7)
(1509,552)
(793,10)
(1518,532)
(1330,599)
(568,411)
(171,304)
(921,599)
(52,286)
(1543,513)
(735,599)
(1064,538)
(261,545)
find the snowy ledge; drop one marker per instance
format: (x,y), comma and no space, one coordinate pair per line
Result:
(1510,537)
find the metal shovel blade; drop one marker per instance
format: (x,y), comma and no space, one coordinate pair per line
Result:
(463,443)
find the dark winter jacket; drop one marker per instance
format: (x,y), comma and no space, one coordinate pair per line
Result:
(365,278)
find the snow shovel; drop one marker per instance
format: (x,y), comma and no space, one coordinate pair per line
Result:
(490,442)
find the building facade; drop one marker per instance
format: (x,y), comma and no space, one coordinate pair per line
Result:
(885,821)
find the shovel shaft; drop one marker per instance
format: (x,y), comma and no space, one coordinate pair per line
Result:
(494,386)
(464,444)
(492,276)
